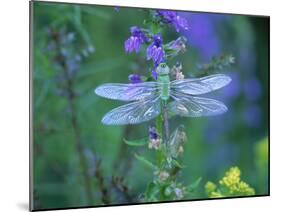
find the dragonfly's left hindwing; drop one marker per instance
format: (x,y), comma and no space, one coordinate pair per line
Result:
(145,106)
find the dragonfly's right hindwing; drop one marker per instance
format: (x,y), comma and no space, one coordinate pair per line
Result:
(134,113)
(190,106)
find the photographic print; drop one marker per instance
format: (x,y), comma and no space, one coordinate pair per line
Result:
(138,105)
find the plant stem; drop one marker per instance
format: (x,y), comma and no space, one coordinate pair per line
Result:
(104,191)
(61,59)
(78,144)
(77,136)
(162,127)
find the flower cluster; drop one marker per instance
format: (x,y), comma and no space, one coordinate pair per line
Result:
(232,181)
(230,185)
(156,50)
(172,18)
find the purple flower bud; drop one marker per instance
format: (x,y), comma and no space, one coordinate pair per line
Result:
(154,74)
(155,51)
(134,78)
(134,42)
(156,54)
(152,133)
(157,40)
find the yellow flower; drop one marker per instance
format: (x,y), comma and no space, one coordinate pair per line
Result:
(231,178)
(216,195)
(210,187)
(230,185)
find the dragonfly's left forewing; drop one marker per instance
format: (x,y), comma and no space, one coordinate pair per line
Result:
(127,92)
(134,113)
(190,106)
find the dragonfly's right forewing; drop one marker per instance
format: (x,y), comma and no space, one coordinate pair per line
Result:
(134,113)
(127,92)
(202,85)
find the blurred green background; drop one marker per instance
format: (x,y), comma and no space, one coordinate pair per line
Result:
(92,41)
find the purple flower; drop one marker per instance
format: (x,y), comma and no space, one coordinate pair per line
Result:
(154,139)
(152,133)
(154,74)
(155,50)
(172,18)
(134,78)
(134,42)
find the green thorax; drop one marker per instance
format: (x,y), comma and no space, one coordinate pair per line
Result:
(164,80)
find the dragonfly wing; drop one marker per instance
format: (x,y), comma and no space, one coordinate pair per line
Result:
(190,106)
(134,113)
(202,85)
(127,92)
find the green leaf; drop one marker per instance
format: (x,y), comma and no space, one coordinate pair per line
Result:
(145,162)
(151,191)
(177,164)
(194,185)
(144,78)
(139,142)
(155,27)
(76,19)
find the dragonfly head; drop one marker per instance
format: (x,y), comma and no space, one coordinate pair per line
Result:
(162,69)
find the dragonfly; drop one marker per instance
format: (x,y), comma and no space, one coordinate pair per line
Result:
(146,100)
